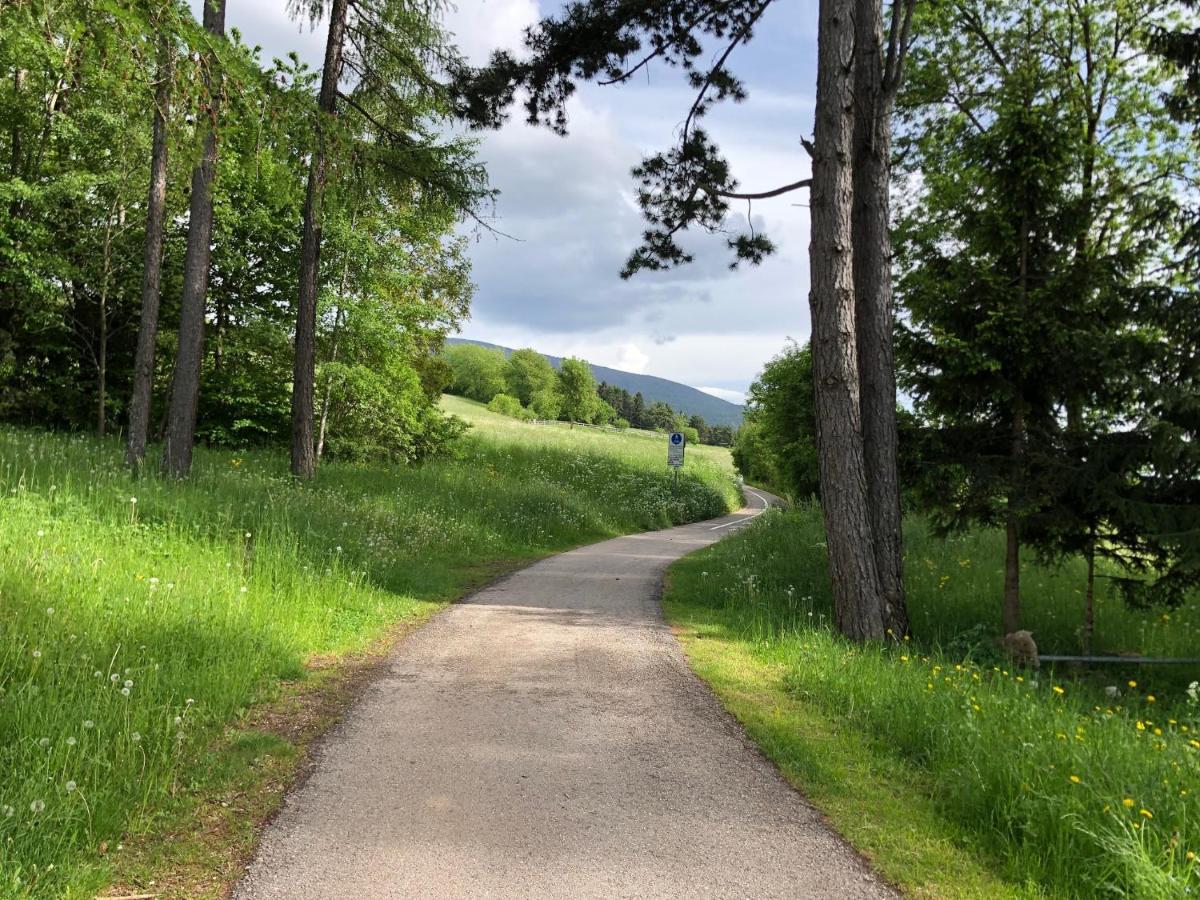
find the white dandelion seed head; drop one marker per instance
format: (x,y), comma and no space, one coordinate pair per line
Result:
(71,786)
(190,701)
(244,589)
(7,811)
(37,806)
(41,533)
(44,742)
(114,677)
(125,692)
(128,682)
(178,720)
(37,654)
(49,610)
(88,723)
(97,674)
(136,736)
(133,499)
(71,741)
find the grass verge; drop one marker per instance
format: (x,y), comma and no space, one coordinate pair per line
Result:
(956,776)
(141,621)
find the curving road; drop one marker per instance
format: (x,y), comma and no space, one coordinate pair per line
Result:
(544,738)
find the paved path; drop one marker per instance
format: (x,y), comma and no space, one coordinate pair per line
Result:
(545,738)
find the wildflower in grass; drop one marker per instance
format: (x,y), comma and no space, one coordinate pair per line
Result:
(71,742)
(1058,690)
(114,677)
(97,674)
(37,654)
(1112,691)
(1149,698)
(44,742)
(37,806)
(1146,813)
(125,692)
(128,682)
(71,786)
(1133,684)
(49,610)
(1193,692)
(88,723)
(133,500)
(7,811)
(1127,803)
(135,737)
(1190,856)
(1075,779)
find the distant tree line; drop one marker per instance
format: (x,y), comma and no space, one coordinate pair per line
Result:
(525,385)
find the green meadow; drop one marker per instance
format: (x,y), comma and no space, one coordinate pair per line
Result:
(958,774)
(140,618)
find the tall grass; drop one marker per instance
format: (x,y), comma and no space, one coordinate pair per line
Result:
(137,618)
(1082,789)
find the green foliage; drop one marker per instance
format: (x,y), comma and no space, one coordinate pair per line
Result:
(528,373)
(478,371)
(507,405)
(776,446)
(1037,258)
(75,134)
(208,593)
(690,434)
(1043,778)
(577,388)
(547,403)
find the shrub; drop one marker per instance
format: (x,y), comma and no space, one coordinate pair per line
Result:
(507,405)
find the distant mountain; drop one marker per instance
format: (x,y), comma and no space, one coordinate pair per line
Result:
(679,397)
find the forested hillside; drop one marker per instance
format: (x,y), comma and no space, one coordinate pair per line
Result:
(680,397)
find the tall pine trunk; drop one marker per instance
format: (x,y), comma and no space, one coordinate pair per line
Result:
(156,206)
(858,611)
(185,392)
(304,460)
(874,308)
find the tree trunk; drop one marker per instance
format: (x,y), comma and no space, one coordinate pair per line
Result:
(185,393)
(337,322)
(857,596)
(14,167)
(1011,615)
(1089,598)
(304,461)
(873,309)
(156,206)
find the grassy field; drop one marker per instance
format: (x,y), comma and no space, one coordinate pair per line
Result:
(139,619)
(957,775)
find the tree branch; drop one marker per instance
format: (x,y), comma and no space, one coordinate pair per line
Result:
(763,195)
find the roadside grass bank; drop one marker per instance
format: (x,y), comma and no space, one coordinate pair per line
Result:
(956,774)
(142,620)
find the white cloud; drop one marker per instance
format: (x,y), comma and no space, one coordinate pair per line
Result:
(726,394)
(570,201)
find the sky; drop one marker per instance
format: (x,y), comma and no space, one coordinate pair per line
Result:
(568,204)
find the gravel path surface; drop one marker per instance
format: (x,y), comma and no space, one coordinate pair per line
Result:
(545,738)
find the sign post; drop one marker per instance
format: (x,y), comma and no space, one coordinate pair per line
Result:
(676,443)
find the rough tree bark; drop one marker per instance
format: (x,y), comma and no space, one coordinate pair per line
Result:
(304,460)
(858,611)
(156,206)
(873,301)
(185,392)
